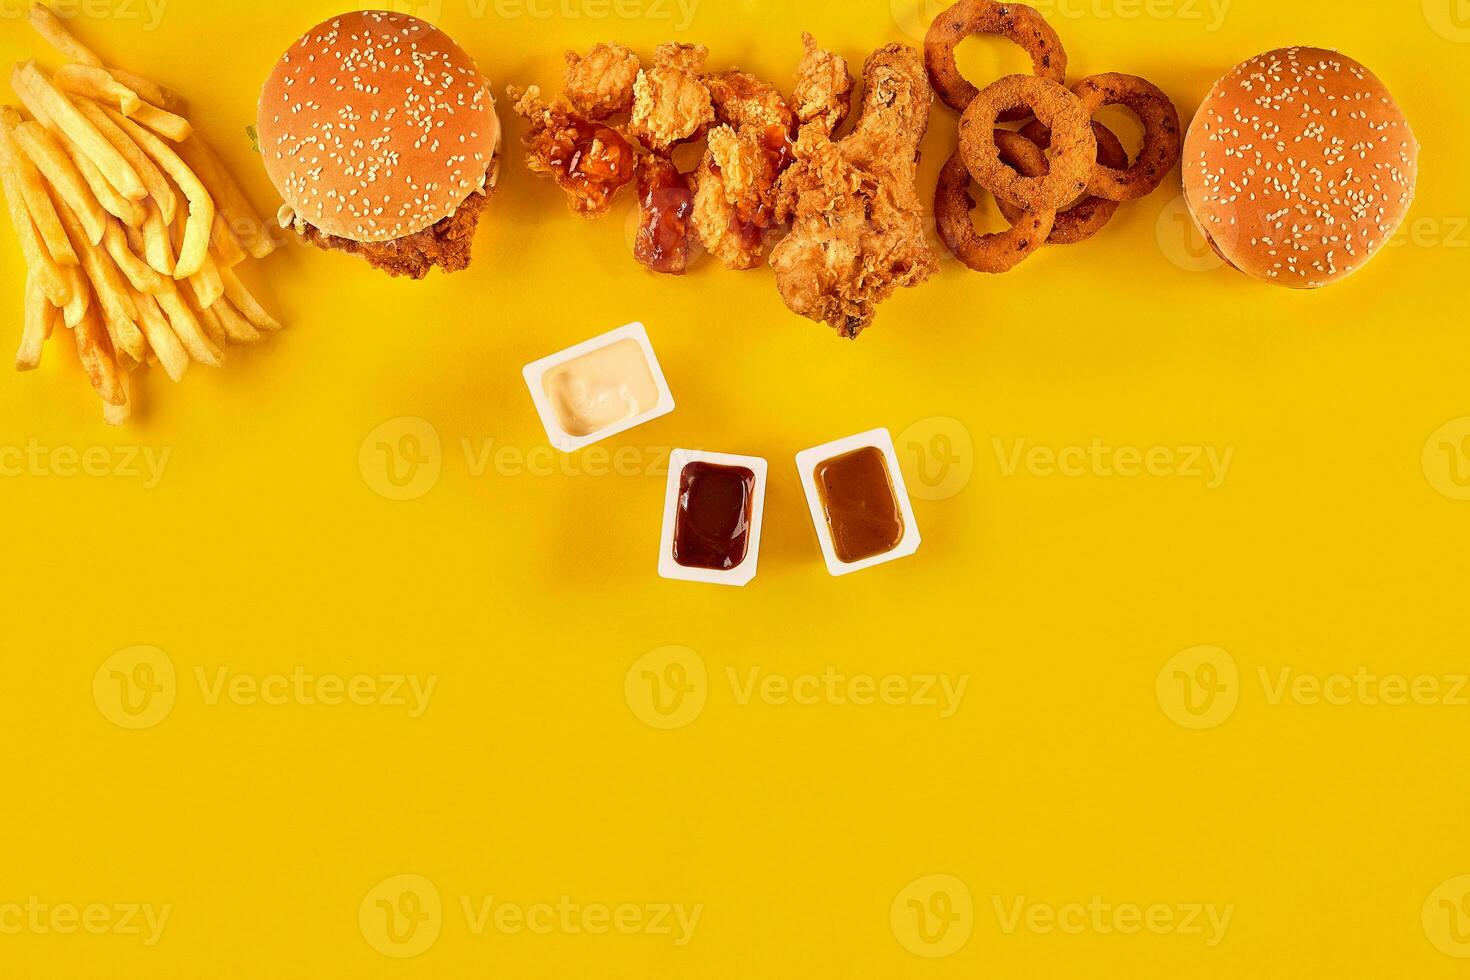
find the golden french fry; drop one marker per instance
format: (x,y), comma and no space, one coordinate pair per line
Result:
(209,322)
(158,248)
(126,211)
(38,317)
(81,295)
(33,189)
(97,359)
(159,189)
(119,414)
(148,91)
(161,338)
(115,299)
(247,304)
(230,200)
(236,327)
(49,157)
(143,277)
(97,83)
(206,283)
(162,122)
(38,259)
(226,251)
(200,222)
(29,80)
(49,27)
(187,328)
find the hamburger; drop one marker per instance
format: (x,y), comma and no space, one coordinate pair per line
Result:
(381,136)
(1299,167)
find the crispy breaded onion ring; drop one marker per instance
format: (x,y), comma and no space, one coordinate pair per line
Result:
(1001,251)
(1091,214)
(1073,147)
(1161,138)
(1014,21)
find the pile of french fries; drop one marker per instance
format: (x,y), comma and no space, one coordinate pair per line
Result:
(131,227)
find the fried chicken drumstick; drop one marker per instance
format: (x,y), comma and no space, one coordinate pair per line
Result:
(857,224)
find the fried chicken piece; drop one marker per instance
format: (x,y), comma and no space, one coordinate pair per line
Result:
(671,102)
(823,92)
(600,85)
(664,240)
(737,193)
(736,197)
(857,223)
(741,99)
(590,161)
(445,244)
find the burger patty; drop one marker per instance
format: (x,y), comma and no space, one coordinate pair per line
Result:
(445,244)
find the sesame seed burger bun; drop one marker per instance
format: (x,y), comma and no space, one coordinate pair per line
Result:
(376,125)
(1299,167)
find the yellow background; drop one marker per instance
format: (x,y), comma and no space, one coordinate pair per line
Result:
(1334,543)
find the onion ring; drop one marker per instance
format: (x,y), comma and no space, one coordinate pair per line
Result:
(1001,251)
(1074,147)
(1091,214)
(1161,137)
(1019,23)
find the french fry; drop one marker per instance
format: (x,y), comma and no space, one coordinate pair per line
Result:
(33,189)
(143,277)
(240,215)
(49,157)
(209,322)
(162,122)
(119,414)
(226,251)
(161,338)
(158,248)
(81,295)
(126,211)
(206,283)
(115,299)
(200,222)
(31,81)
(159,189)
(97,359)
(247,304)
(148,91)
(49,27)
(38,317)
(236,327)
(187,328)
(97,83)
(38,259)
